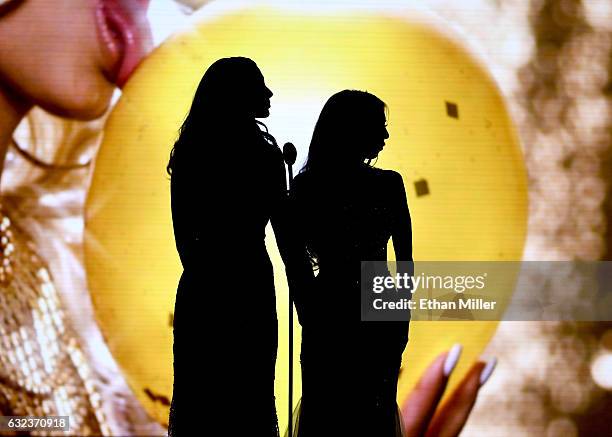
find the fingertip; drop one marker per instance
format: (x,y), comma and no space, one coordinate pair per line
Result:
(486,372)
(452,358)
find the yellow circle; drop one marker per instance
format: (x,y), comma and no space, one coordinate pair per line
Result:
(450,136)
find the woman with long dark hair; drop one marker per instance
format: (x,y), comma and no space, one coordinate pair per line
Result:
(227,182)
(348,211)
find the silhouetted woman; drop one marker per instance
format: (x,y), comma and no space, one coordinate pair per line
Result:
(228,181)
(348,211)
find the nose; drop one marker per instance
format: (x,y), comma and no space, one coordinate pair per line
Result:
(269,92)
(386,133)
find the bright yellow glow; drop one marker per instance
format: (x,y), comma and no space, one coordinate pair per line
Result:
(476,209)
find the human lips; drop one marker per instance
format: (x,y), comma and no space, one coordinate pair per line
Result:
(125,34)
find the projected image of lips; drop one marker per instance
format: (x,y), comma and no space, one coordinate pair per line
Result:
(125,35)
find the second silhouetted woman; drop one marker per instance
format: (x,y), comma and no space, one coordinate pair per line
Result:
(347,211)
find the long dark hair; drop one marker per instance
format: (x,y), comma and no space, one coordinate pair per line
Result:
(336,137)
(220,105)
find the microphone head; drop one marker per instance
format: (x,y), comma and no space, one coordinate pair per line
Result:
(289,153)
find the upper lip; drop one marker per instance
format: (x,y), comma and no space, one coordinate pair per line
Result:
(125,33)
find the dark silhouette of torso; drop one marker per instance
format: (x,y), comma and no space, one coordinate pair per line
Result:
(349,367)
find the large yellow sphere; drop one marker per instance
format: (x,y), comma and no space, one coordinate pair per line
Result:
(450,137)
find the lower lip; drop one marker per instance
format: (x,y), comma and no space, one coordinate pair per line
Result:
(125,42)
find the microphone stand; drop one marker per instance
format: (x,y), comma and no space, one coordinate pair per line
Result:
(289,156)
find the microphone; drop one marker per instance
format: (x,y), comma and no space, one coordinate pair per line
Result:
(289,153)
(289,156)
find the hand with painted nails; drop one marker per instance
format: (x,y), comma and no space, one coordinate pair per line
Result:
(421,413)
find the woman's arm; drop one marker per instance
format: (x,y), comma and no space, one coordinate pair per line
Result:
(290,244)
(401,231)
(186,233)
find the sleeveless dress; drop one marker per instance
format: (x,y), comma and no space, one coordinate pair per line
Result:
(225,323)
(349,367)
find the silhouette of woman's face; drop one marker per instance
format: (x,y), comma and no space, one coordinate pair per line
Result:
(260,97)
(374,136)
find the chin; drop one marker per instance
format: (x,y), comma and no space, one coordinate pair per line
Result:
(87,102)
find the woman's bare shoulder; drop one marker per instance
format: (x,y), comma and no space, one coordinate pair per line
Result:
(301,177)
(386,176)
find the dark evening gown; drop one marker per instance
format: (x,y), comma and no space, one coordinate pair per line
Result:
(225,322)
(349,367)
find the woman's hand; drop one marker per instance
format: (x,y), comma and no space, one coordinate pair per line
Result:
(420,412)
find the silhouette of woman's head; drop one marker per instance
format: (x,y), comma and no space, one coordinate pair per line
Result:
(351,128)
(231,95)
(232,87)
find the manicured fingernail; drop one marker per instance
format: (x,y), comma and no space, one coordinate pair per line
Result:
(488,369)
(452,358)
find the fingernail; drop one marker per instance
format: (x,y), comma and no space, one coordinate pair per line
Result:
(452,358)
(488,369)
